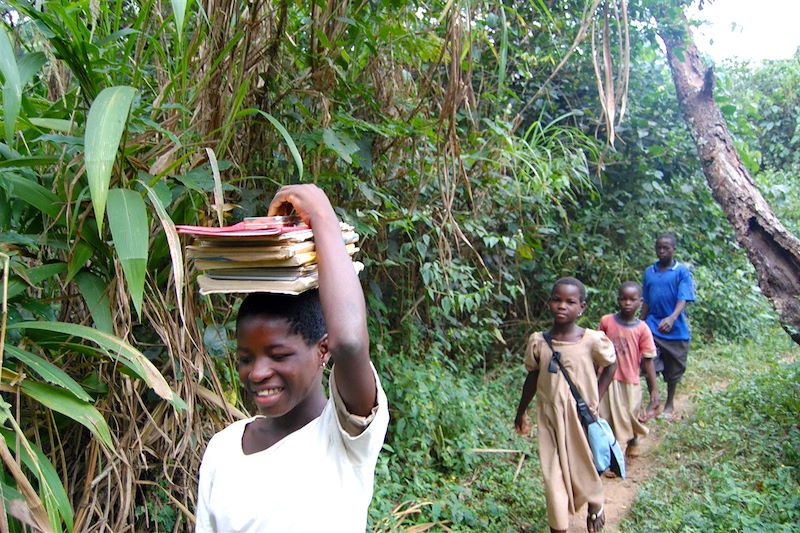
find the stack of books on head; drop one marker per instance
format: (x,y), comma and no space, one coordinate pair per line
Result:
(260,254)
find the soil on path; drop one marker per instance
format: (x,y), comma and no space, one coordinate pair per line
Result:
(620,494)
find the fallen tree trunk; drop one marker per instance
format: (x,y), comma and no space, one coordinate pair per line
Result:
(773,250)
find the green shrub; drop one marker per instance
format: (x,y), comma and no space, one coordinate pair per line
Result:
(736,466)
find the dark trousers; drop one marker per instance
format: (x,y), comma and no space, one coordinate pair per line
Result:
(671,359)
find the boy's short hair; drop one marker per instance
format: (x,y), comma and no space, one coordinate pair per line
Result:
(670,237)
(303,312)
(630,285)
(575,282)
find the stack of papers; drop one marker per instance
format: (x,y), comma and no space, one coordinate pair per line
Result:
(260,254)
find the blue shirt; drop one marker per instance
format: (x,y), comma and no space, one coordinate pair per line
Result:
(662,290)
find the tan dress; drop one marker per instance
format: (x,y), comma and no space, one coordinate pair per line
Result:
(620,407)
(570,478)
(622,403)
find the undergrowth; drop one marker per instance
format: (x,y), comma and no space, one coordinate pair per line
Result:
(734,466)
(456,466)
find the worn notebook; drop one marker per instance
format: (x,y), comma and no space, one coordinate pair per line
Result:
(209,285)
(260,254)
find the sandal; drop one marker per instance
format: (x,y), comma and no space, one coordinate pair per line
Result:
(592,520)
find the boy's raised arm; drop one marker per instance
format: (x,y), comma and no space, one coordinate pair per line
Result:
(340,295)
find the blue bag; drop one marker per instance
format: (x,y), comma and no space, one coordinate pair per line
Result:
(606,451)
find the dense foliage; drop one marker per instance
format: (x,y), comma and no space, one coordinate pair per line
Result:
(760,102)
(502,490)
(735,466)
(474,181)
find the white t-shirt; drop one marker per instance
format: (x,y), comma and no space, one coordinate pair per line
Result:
(319,478)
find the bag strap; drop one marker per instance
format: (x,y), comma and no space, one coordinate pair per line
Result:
(557,358)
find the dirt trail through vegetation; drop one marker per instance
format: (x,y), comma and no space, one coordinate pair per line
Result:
(620,494)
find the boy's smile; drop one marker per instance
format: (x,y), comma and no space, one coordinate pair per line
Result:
(277,367)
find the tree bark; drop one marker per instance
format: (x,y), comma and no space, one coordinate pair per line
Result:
(773,250)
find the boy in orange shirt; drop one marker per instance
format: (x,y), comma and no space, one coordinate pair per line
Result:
(636,349)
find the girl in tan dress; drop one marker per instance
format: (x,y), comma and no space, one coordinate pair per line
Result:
(570,478)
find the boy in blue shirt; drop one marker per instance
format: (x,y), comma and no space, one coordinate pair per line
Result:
(666,290)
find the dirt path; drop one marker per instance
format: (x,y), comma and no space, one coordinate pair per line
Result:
(620,494)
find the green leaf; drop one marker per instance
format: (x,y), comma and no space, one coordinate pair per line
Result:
(80,255)
(127,218)
(12,88)
(162,191)
(104,127)
(56,124)
(34,275)
(5,214)
(5,411)
(219,202)
(28,65)
(340,143)
(175,250)
(9,494)
(198,179)
(50,485)
(61,140)
(323,39)
(12,237)
(179,8)
(48,371)
(115,348)
(33,161)
(215,340)
(503,59)
(298,161)
(94,292)
(65,403)
(34,194)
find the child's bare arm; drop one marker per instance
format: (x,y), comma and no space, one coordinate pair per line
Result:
(652,386)
(665,326)
(606,376)
(521,421)
(644,311)
(340,295)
